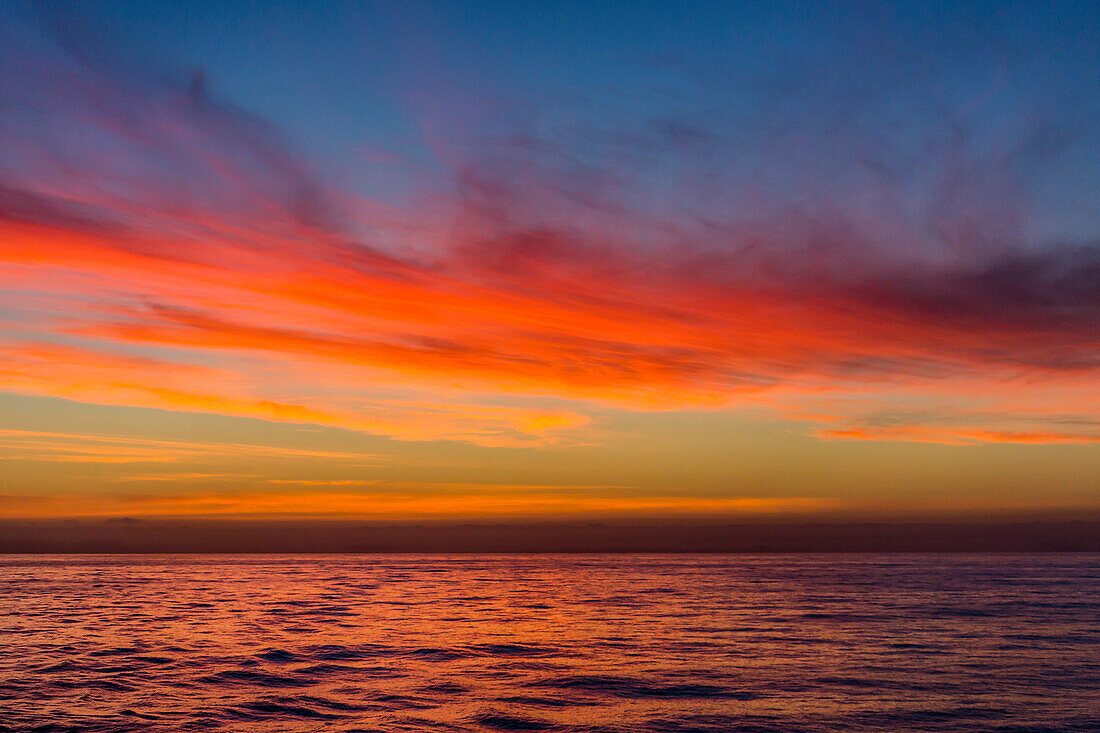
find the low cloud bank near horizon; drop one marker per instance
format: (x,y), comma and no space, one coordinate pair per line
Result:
(304,536)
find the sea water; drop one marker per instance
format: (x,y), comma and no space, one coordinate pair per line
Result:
(592,644)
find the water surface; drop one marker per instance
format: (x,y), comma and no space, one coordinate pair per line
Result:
(591,644)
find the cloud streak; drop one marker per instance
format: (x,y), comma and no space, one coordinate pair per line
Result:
(519,501)
(31,445)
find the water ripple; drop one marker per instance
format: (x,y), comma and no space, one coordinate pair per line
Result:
(571,644)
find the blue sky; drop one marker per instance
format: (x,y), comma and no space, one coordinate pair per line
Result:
(789,89)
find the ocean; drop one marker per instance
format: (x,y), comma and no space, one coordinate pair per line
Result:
(571,643)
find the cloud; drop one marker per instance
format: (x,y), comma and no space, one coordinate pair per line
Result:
(30,445)
(562,266)
(490,501)
(957,436)
(116,379)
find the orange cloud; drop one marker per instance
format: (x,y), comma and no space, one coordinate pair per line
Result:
(501,501)
(113,379)
(353,318)
(956,436)
(29,445)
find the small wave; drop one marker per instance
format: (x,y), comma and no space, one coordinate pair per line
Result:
(153,660)
(510,722)
(629,687)
(402,702)
(718,724)
(446,688)
(325,702)
(277,655)
(437,655)
(539,702)
(117,651)
(515,650)
(260,679)
(294,711)
(340,652)
(323,669)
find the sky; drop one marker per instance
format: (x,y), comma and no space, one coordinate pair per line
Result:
(499,260)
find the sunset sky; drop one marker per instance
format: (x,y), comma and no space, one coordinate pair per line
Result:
(400,260)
